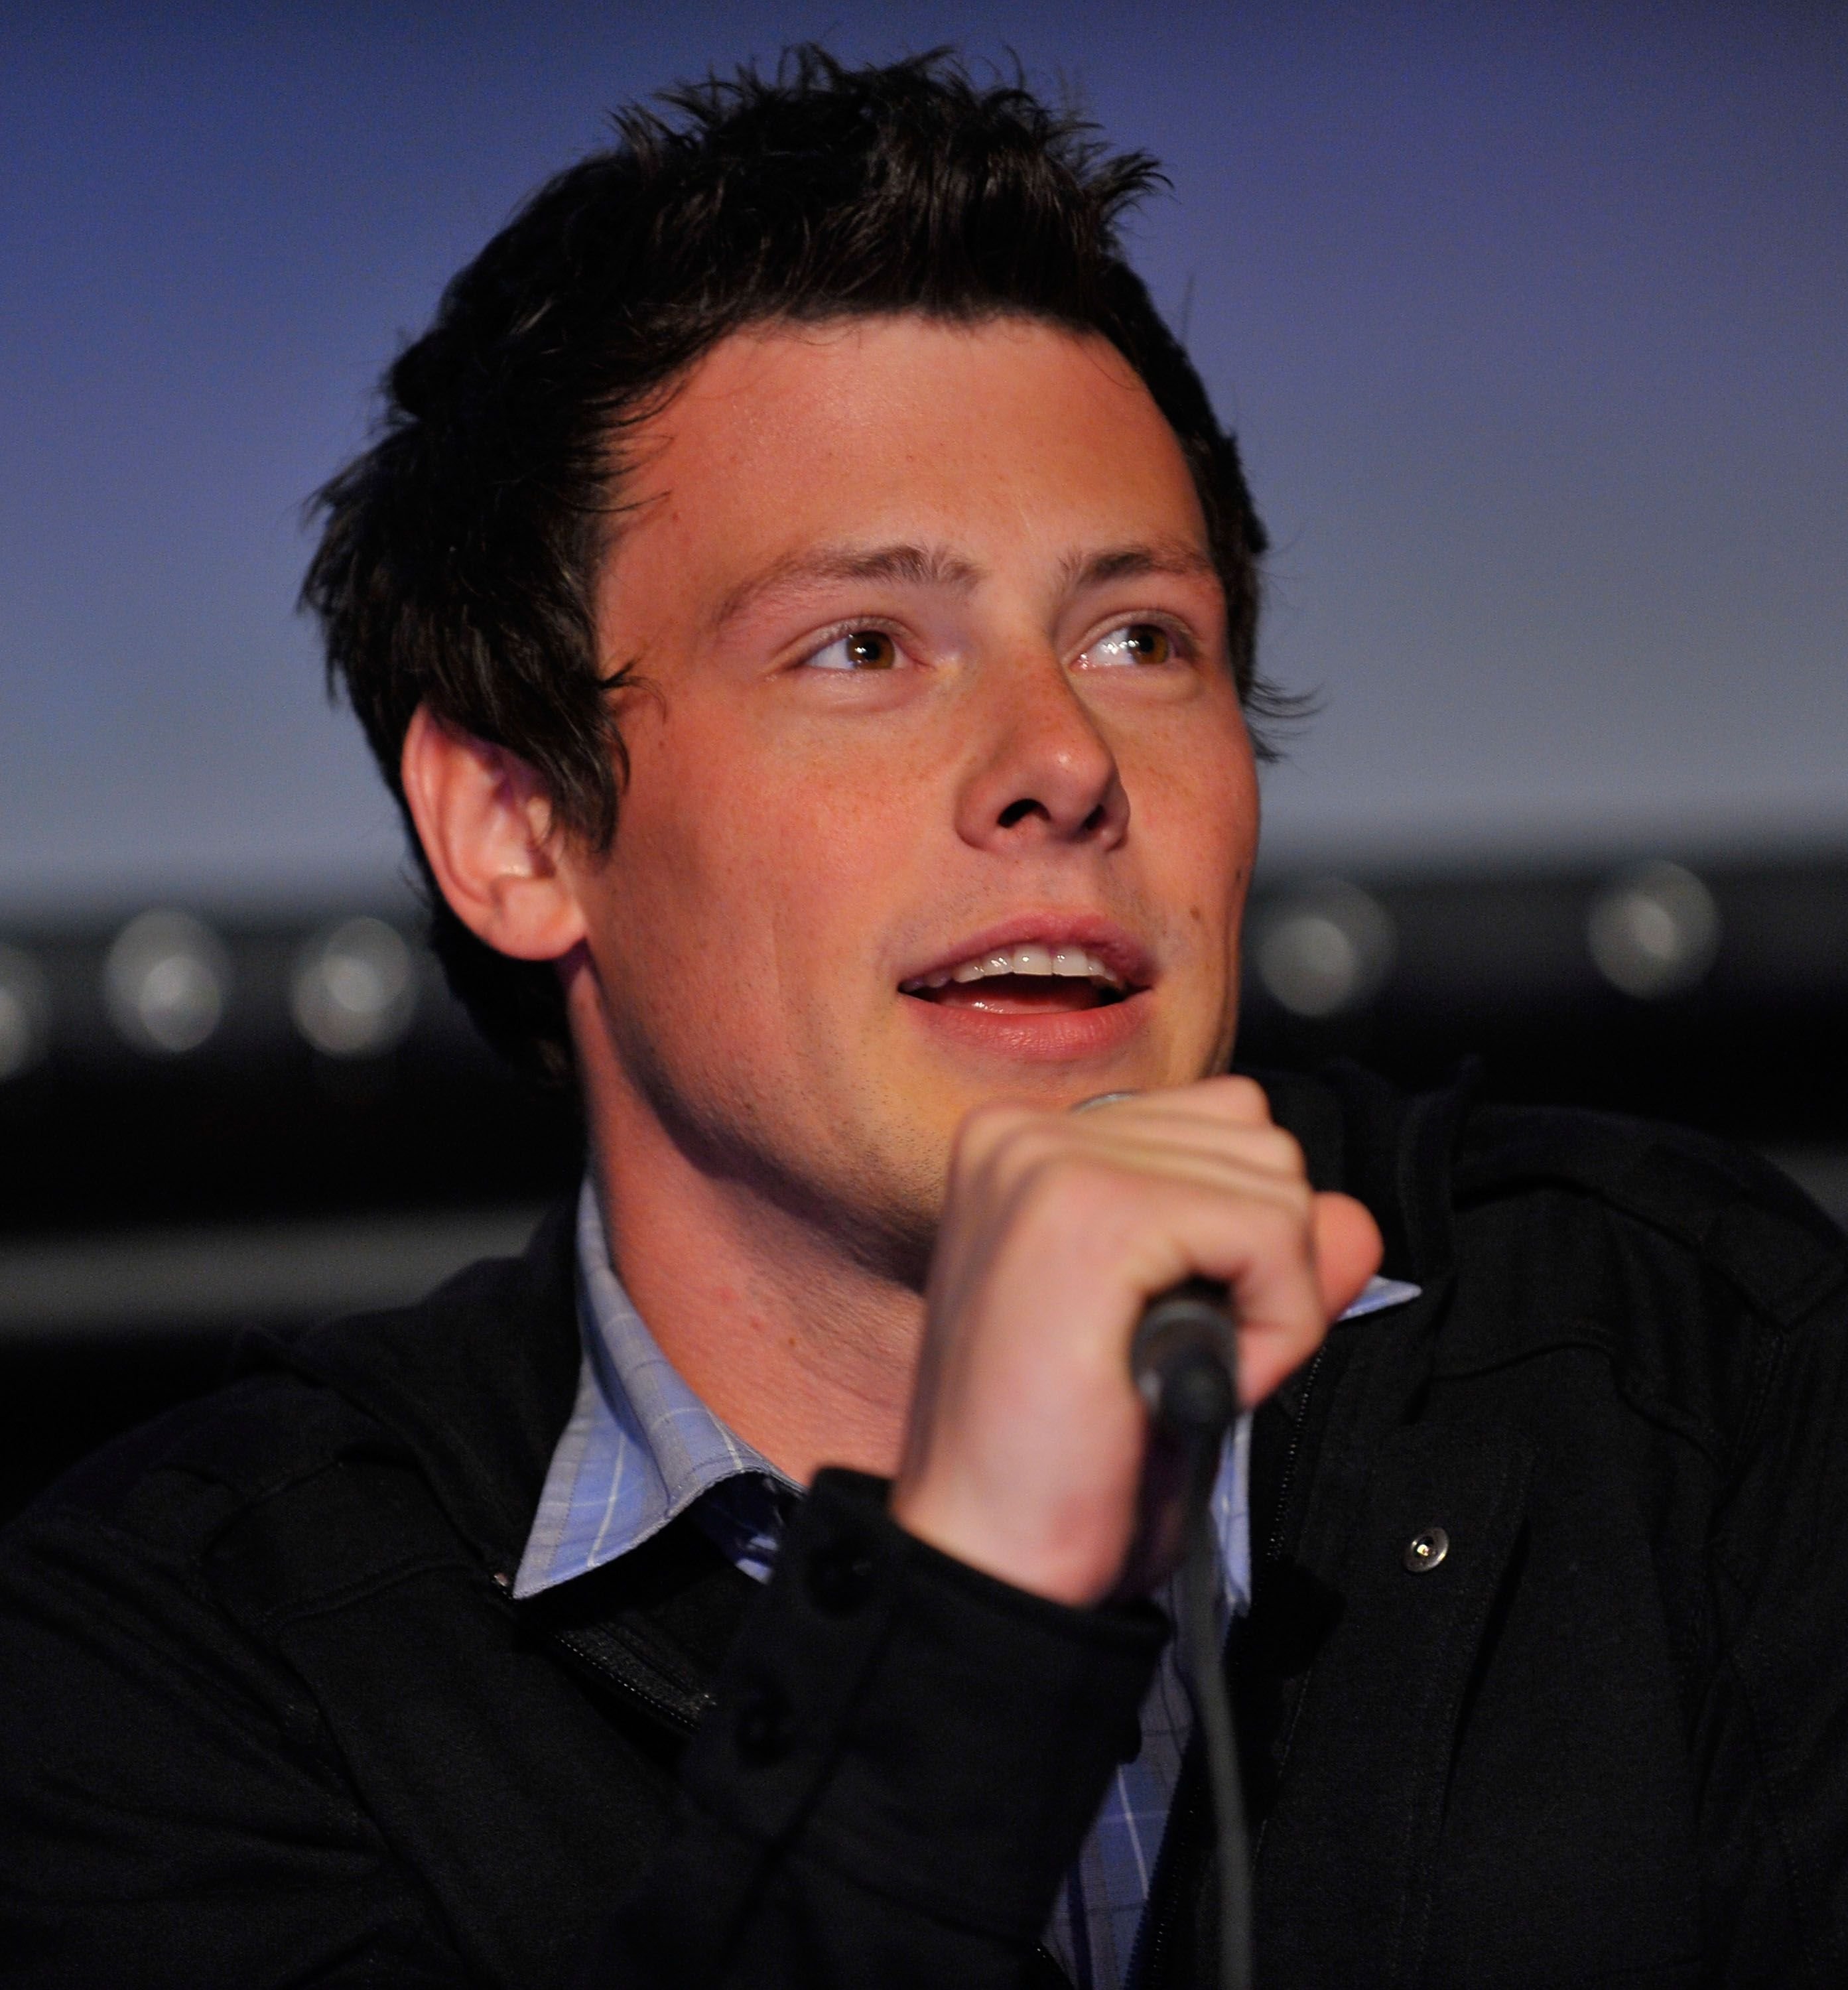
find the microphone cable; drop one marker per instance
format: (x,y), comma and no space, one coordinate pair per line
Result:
(1185,1359)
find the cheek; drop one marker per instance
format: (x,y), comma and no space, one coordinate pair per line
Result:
(747,861)
(845,851)
(671,891)
(1200,808)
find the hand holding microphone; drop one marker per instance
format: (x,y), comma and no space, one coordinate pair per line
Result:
(1025,1451)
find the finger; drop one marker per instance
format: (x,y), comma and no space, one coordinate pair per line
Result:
(1225,1100)
(1202,1115)
(1227,1174)
(1000,1160)
(1257,1149)
(1349,1249)
(1260,1247)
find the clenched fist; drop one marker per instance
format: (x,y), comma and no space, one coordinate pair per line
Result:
(1025,1450)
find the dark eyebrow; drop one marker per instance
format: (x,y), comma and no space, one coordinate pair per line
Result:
(1179,557)
(908,565)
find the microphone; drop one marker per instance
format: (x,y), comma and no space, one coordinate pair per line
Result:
(1185,1359)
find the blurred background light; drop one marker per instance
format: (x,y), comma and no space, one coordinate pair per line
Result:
(167,979)
(1654,931)
(355,989)
(1326,949)
(25,1003)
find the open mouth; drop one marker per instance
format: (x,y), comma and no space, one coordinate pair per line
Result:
(1024,981)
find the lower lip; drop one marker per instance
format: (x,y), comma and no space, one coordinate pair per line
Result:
(1066,1036)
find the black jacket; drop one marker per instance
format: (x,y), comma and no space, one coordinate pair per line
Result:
(268,1716)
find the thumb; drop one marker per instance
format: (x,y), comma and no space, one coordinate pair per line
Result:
(1348,1249)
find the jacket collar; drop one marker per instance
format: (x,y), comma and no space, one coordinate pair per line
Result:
(476,1381)
(1393,1150)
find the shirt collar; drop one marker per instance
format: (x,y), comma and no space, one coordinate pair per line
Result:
(1377,1294)
(640,1447)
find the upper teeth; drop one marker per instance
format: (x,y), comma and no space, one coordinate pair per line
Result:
(1068,960)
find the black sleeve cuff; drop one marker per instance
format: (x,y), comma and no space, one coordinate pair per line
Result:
(924,1730)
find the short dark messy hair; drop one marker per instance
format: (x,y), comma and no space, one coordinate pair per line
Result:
(458,552)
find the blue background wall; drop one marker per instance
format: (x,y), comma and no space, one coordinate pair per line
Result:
(1534,322)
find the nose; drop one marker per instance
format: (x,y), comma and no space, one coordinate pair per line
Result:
(1047,775)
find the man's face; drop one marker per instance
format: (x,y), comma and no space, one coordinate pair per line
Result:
(940,790)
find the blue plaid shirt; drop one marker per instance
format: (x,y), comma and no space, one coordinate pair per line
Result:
(641,1448)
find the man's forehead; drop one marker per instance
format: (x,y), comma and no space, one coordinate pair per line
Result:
(948,568)
(900,450)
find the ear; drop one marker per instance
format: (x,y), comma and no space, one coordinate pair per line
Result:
(486,826)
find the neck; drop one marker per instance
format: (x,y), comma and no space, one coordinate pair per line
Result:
(805,1352)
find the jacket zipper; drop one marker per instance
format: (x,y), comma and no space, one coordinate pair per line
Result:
(1146,1957)
(1288,1481)
(662,1708)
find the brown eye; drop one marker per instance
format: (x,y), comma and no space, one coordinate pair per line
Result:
(1134,642)
(872,649)
(1147,642)
(859,650)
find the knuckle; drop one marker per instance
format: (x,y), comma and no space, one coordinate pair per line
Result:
(1245,1097)
(1028,1151)
(1048,1168)
(1017,1161)
(1301,1199)
(984,1128)
(988,1119)
(1282,1221)
(1063,1183)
